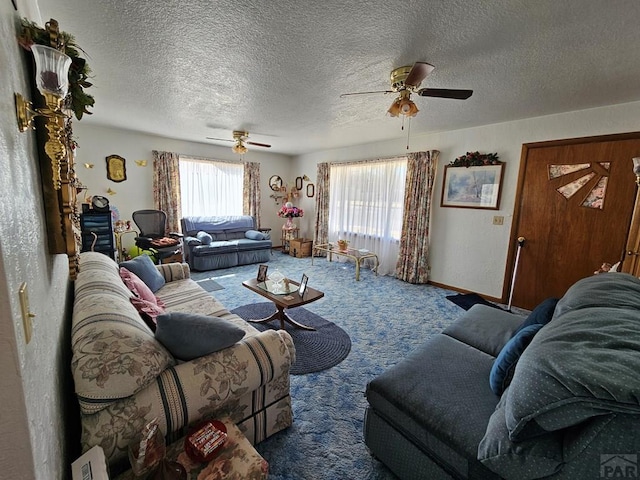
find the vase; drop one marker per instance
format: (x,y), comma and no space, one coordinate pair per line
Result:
(289,225)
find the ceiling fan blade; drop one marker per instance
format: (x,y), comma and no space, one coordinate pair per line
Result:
(418,73)
(220,139)
(445,93)
(258,144)
(365,93)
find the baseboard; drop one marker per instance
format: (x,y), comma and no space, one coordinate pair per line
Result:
(462,290)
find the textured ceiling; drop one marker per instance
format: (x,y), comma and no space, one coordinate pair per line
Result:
(191,69)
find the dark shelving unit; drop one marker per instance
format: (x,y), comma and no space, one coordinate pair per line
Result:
(98,223)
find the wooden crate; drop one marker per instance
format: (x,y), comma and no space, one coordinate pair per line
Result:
(300,247)
(173,258)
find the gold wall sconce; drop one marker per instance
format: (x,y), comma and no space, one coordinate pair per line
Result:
(636,169)
(52,80)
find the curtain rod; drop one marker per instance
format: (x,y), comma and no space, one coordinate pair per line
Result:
(371,160)
(208,159)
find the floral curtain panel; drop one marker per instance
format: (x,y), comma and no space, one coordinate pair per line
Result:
(413,262)
(166,187)
(251,190)
(321,231)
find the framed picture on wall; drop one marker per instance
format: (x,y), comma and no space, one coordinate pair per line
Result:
(116,168)
(472,187)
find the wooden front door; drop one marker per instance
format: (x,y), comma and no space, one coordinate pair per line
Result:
(575,202)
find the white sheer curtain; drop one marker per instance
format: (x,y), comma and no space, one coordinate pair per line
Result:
(208,187)
(366,204)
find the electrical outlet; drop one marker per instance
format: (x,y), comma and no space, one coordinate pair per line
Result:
(498,220)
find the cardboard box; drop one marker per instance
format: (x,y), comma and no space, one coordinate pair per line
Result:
(300,247)
(92,465)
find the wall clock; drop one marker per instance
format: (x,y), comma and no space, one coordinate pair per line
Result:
(99,203)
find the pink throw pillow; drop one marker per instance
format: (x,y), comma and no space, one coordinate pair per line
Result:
(148,305)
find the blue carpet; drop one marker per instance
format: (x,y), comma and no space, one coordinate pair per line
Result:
(207,283)
(316,350)
(385,319)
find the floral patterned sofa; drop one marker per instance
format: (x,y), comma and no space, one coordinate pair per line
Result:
(124,377)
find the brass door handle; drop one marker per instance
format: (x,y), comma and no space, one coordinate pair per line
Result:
(633,253)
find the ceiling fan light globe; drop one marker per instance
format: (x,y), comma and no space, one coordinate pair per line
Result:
(408,108)
(239,149)
(394,109)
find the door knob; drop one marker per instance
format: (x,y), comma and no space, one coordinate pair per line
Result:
(633,253)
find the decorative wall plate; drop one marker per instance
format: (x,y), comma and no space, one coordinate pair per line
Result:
(116,168)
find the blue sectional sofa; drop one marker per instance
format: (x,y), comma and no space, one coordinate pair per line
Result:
(571,411)
(224,241)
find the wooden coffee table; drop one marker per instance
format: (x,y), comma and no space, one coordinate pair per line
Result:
(284,301)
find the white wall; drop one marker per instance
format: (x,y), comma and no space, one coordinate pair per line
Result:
(33,427)
(467,251)
(96,143)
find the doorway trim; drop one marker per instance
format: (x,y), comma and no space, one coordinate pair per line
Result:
(513,234)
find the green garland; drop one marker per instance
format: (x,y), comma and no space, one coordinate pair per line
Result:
(475,159)
(79,70)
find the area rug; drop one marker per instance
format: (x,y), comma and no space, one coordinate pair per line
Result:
(316,350)
(209,285)
(468,300)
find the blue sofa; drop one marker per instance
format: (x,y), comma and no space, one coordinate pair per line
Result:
(224,241)
(571,411)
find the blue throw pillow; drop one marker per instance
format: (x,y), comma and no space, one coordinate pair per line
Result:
(188,336)
(254,235)
(204,237)
(192,241)
(146,271)
(542,314)
(505,364)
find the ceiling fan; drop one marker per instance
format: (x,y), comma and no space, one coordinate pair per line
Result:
(240,137)
(405,81)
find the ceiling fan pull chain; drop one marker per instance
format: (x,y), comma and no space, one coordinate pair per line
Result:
(408,131)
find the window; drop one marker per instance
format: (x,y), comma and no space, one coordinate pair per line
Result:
(208,187)
(366,204)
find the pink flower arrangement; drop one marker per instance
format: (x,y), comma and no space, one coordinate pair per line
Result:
(289,211)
